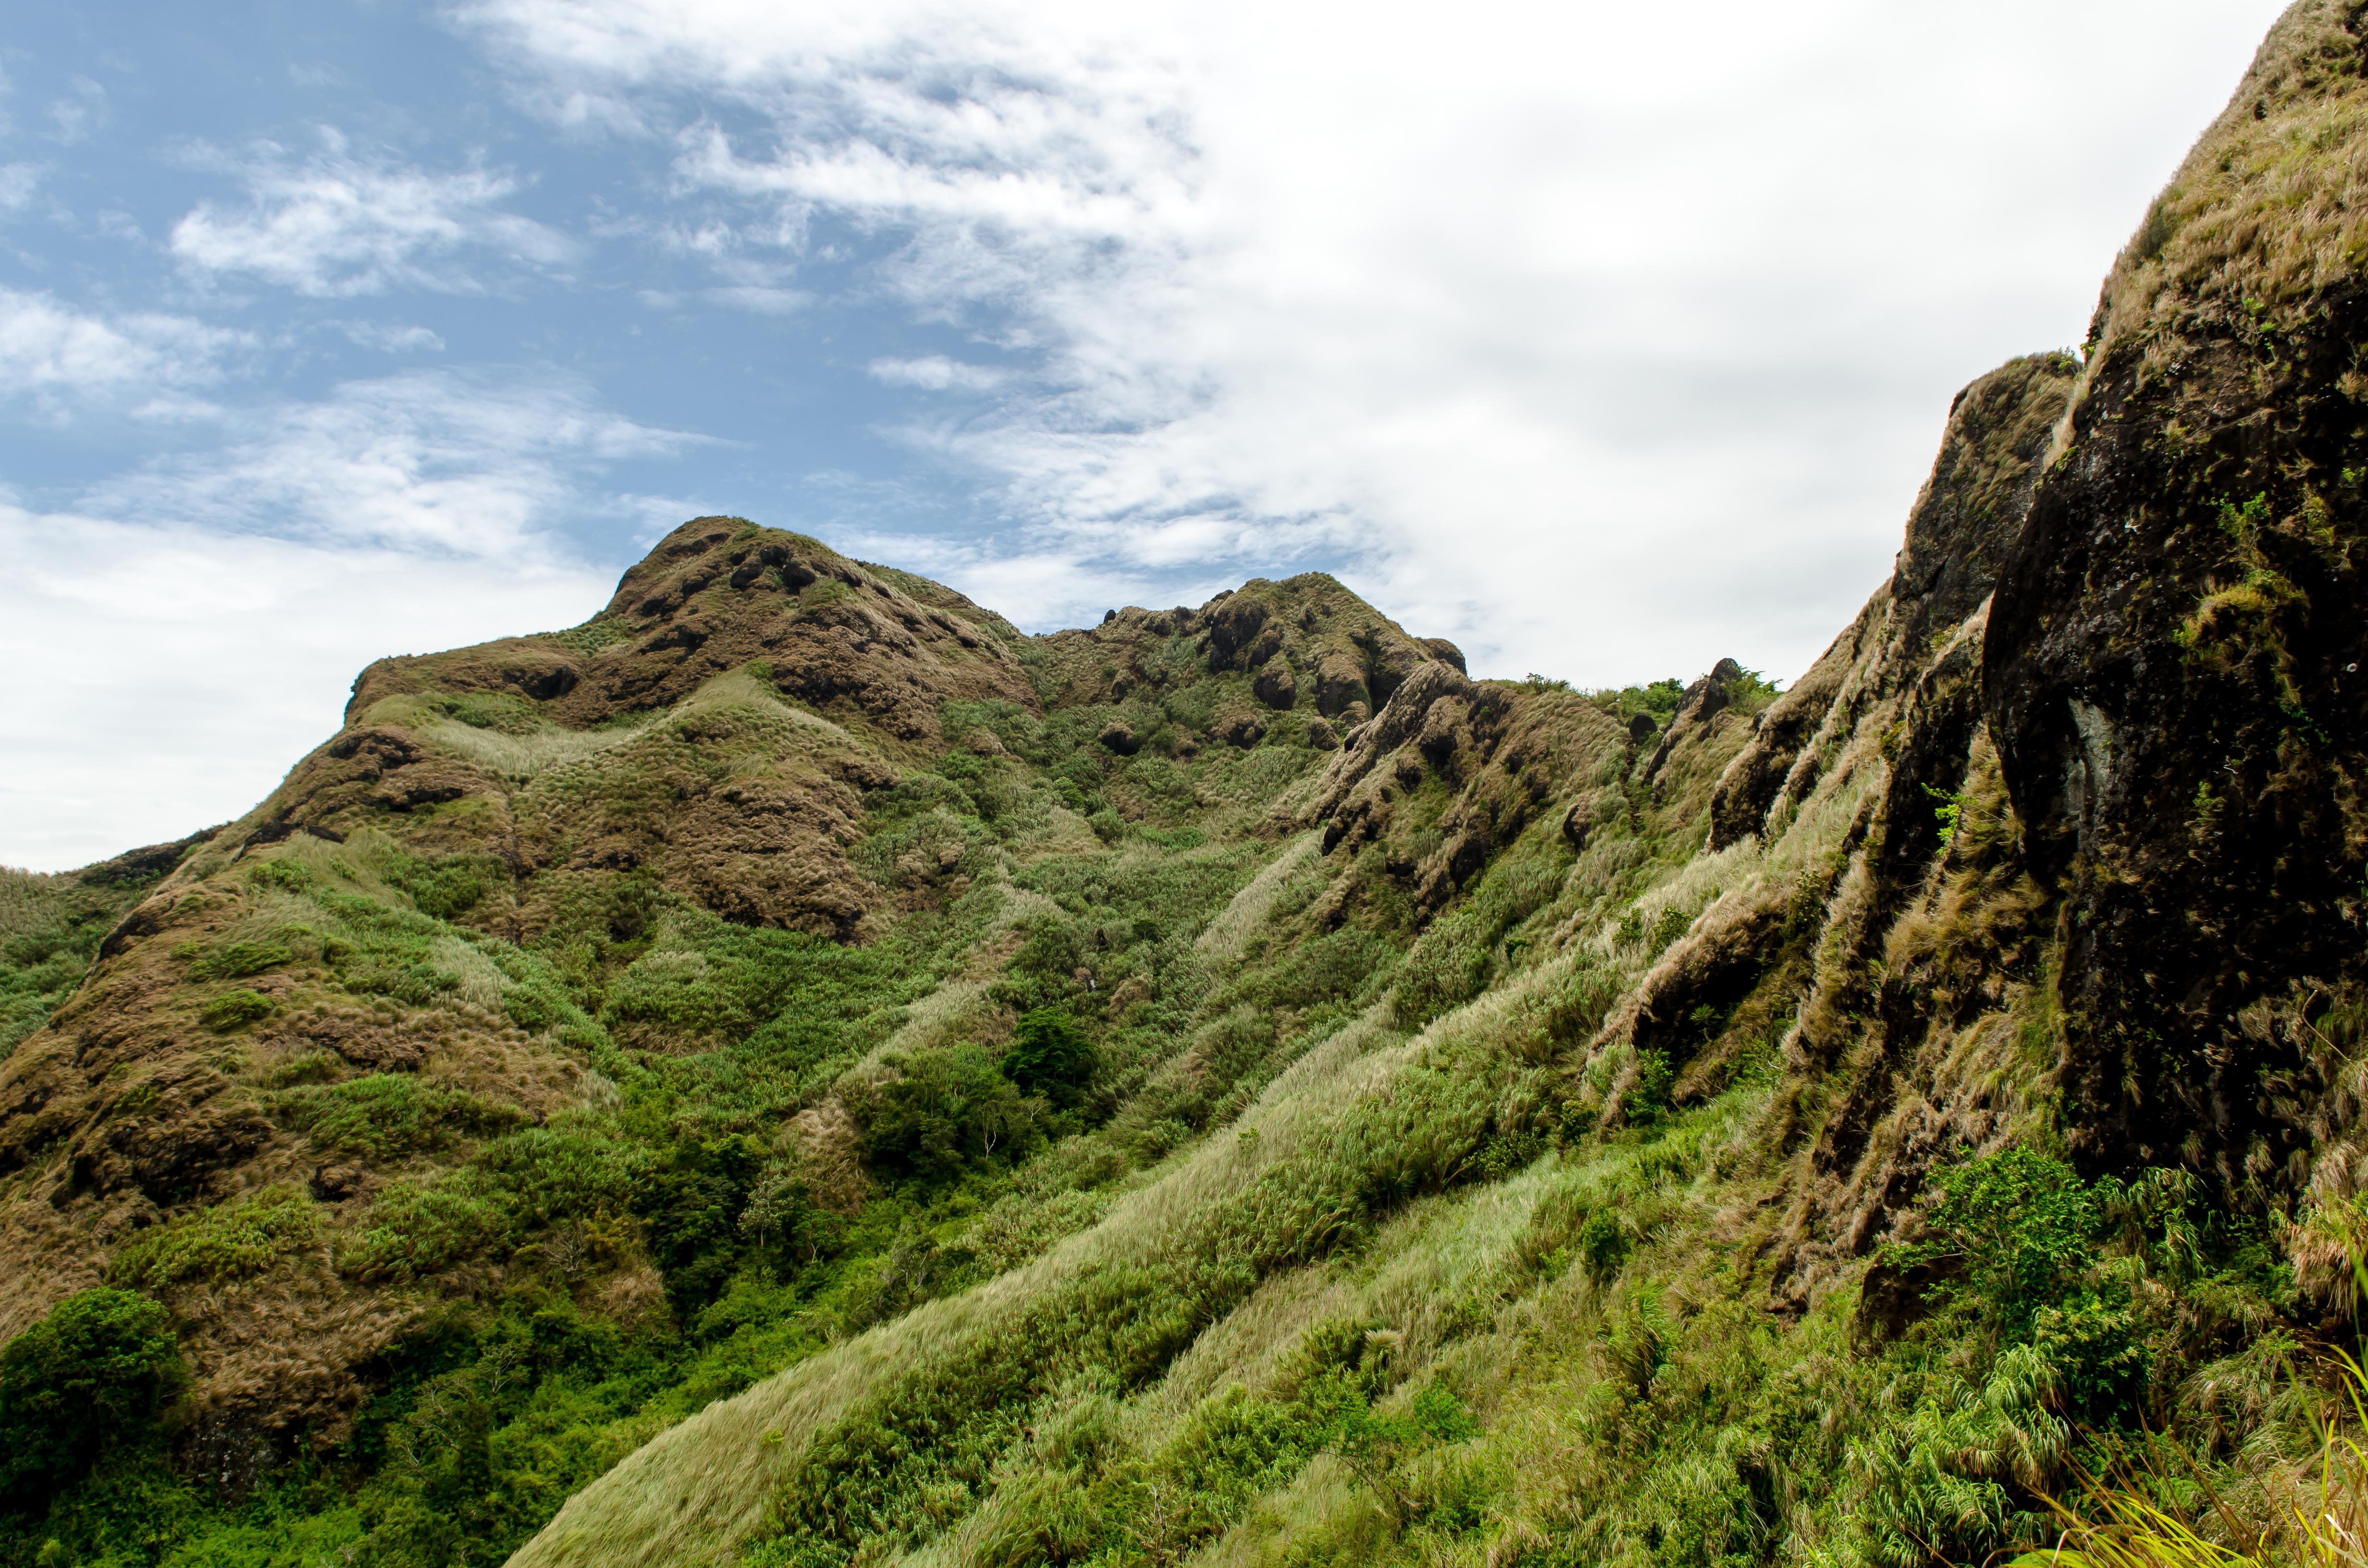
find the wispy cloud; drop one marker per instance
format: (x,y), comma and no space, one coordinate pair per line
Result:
(335,223)
(188,628)
(462,467)
(17,183)
(53,357)
(937,372)
(73,119)
(1601,362)
(393,337)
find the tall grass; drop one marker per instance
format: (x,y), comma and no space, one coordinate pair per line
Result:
(2307,1513)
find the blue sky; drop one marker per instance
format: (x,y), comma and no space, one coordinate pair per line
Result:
(1607,340)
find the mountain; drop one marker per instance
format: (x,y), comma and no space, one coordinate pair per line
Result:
(794,1071)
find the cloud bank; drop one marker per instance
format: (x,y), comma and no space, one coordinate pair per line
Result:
(1607,339)
(333,224)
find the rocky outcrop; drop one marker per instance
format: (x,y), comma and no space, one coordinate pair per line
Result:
(882,648)
(2173,666)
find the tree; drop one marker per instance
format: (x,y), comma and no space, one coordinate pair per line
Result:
(1375,1446)
(98,1374)
(1050,1055)
(941,1110)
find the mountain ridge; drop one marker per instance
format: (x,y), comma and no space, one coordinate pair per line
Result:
(796,1071)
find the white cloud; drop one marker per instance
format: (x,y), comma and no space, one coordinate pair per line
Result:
(165,677)
(53,355)
(428,462)
(391,338)
(72,120)
(188,630)
(17,183)
(936,372)
(1607,338)
(762,301)
(337,224)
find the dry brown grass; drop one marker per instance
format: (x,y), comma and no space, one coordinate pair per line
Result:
(2268,212)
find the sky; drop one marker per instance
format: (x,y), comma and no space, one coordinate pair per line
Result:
(1608,340)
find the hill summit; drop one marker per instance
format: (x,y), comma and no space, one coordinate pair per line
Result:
(794,1071)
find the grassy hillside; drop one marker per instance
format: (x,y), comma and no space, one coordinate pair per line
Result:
(793,1072)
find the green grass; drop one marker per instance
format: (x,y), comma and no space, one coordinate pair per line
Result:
(1145,1184)
(231,1242)
(51,927)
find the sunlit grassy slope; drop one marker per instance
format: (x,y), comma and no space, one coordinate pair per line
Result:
(793,1072)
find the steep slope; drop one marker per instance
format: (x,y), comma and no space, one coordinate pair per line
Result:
(793,1072)
(1938,878)
(611,928)
(1594,958)
(2175,677)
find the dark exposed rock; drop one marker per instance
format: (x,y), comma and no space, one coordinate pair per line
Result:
(1119,736)
(1703,701)
(1340,684)
(1232,626)
(138,865)
(1238,727)
(1896,1296)
(2170,670)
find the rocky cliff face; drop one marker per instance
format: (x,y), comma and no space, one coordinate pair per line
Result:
(2172,673)
(1018,1071)
(719,741)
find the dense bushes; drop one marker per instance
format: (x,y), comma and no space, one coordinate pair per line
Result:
(447,887)
(1051,1056)
(51,927)
(95,1377)
(934,1113)
(237,1239)
(2079,1305)
(778,1002)
(386,1114)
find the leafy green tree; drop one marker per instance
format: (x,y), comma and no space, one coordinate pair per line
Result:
(1050,1055)
(2022,1225)
(97,1375)
(1374,1445)
(943,1110)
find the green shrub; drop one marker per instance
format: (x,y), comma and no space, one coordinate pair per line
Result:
(940,1110)
(2096,1354)
(387,1115)
(421,1228)
(96,1375)
(287,876)
(1375,1447)
(693,1198)
(229,1242)
(237,961)
(1954,1478)
(553,1173)
(1603,1244)
(234,1010)
(2021,1224)
(1648,1100)
(444,888)
(780,999)
(49,930)
(1051,1056)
